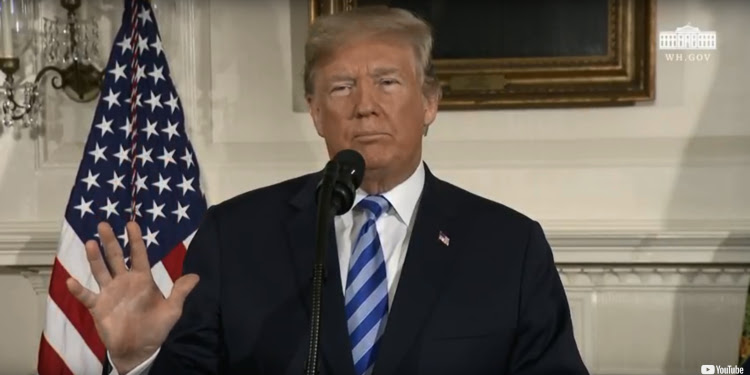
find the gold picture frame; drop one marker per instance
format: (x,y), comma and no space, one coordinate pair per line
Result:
(623,75)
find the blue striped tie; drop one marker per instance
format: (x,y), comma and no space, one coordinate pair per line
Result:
(367,289)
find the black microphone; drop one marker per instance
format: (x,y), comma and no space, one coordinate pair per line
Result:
(335,196)
(342,175)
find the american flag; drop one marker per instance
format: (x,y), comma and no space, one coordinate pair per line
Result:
(138,164)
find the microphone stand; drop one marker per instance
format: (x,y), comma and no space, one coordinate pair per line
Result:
(325,213)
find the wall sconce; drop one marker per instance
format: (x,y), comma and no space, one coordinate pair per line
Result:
(69,46)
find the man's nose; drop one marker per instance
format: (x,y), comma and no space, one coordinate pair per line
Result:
(366,104)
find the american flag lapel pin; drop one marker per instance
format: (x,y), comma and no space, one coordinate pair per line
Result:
(444,239)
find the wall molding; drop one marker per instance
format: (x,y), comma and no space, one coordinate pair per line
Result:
(655,275)
(578,243)
(28,243)
(648,241)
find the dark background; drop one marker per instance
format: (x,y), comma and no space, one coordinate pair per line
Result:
(511,28)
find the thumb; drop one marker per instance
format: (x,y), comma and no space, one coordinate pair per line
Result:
(182,287)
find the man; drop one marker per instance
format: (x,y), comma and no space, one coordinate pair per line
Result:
(424,277)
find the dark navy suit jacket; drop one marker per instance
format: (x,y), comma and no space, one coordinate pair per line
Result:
(488,302)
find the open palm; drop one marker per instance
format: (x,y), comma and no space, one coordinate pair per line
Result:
(131,315)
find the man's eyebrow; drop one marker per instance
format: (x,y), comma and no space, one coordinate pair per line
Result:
(341,77)
(379,72)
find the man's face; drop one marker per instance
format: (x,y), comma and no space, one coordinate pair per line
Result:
(368,97)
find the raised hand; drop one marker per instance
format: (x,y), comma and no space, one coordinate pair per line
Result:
(131,315)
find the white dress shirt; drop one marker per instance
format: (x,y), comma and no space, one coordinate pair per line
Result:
(394,230)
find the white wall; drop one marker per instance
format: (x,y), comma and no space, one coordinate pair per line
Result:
(665,183)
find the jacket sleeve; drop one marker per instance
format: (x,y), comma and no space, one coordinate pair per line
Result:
(194,345)
(545,343)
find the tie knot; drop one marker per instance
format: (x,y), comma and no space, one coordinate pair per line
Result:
(375,204)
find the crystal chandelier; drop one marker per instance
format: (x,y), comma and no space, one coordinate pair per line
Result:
(69,49)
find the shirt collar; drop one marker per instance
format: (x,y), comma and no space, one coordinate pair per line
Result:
(404,196)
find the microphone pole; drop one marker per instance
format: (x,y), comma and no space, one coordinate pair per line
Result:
(341,177)
(325,213)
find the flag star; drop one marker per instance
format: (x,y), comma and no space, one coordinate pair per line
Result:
(140,183)
(172,102)
(155,101)
(181,212)
(105,126)
(137,98)
(150,129)
(98,153)
(188,158)
(157,46)
(145,156)
(157,74)
(126,127)
(111,99)
(156,211)
(145,16)
(150,237)
(116,180)
(91,180)
(122,155)
(124,44)
(119,71)
(162,184)
(84,207)
(186,184)
(167,157)
(137,210)
(110,208)
(140,73)
(142,44)
(124,236)
(171,129)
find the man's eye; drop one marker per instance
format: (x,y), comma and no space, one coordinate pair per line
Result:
(339,89)
(388,81)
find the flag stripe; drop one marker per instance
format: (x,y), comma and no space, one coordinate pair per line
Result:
(75,313)
(162,279)
(72,255)
(188,240)
(50,361)
(173,261)
(68,343)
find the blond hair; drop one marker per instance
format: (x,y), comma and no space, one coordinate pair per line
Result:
(330,31)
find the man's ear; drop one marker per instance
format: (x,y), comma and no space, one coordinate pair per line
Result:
(314,110)
(430,110)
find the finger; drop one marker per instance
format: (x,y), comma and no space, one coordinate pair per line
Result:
(138,254)
(97,264)
(182,287)
(112,249)
(85,296)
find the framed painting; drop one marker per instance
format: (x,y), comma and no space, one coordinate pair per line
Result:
(537,53)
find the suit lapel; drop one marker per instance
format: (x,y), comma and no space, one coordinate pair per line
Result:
(426,267)
(334,345)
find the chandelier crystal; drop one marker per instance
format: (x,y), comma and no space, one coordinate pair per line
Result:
(69,48)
